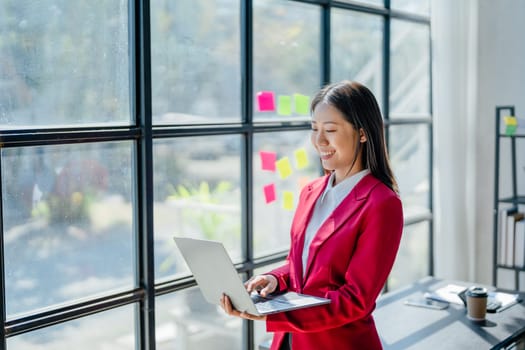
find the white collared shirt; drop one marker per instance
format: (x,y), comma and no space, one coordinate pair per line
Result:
(327,202)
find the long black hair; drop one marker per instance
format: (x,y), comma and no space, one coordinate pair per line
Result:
(359,106)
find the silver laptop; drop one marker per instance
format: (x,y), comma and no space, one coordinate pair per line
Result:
(215,274)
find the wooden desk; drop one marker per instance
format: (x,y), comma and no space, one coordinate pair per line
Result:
(408,327)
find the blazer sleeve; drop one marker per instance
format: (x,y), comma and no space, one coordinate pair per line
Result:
(282,274)
(367,271)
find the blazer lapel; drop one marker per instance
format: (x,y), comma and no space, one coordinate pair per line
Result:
(355,199)
(303,214)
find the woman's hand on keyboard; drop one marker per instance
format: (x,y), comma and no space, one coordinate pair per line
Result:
(263,284)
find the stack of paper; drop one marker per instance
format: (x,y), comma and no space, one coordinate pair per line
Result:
(449,293)
(506,299)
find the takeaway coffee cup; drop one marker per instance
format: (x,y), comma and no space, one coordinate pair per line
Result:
(476,303)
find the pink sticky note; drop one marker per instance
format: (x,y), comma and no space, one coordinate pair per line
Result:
(265,101)
(268,160)
(269,193)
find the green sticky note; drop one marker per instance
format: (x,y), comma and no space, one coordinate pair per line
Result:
(287,200)
(510,130)
(302,103)
(284,105)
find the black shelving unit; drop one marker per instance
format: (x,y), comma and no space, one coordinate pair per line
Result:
(515,199)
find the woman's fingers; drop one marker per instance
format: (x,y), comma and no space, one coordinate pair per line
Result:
(255,283)
(230,310)
(265,284)
(252,317)
(227,306)
(270,286)
(266,290)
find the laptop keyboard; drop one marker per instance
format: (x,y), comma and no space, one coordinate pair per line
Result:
(268,304)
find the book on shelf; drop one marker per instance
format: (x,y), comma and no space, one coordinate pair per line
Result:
(514,219)
(502,235)
(511,237)
(519,246)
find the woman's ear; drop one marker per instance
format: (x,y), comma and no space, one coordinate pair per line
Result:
(362,136)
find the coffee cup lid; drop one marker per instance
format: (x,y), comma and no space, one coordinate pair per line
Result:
(476,291)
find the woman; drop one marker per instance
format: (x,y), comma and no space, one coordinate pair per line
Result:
(345,233)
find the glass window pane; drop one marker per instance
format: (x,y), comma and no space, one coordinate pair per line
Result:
(197,194)
(112,329)
(68,218)
(276,197)
(357,49)
(195,60)
(413,256)
(286,59)
(409,154)
(410,70)
(64,63)
(186,321)
(420,7)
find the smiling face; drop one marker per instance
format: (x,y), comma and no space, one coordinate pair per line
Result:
(336,141)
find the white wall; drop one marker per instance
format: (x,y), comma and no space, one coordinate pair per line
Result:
(501,77)
(478,63)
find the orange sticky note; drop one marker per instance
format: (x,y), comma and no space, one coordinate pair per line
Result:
(265,101)
(301,158)
(287,200)
(303,181)
(269,193)
(268,160)
(283,167)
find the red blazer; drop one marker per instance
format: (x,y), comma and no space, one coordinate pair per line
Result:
(349,261)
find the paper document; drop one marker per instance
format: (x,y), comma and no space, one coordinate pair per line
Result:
(449,293)
(506,299)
